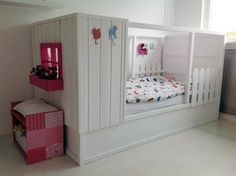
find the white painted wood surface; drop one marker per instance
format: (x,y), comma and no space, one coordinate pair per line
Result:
(93,74)
(109,141)
(176,55)
(83,52)
(104,67)
(105,100)
(64,31)
(195,87)
(205,86)
(201,86)
(116,76)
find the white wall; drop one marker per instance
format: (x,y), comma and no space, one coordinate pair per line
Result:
(188,13)
(11,17)
(15,64)
(149,11)
(170,12)
(223,15)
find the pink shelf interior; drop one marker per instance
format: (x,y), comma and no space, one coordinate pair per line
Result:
(51,56)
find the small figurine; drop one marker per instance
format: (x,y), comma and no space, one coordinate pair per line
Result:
(96,35)
(142,49)
(113,34)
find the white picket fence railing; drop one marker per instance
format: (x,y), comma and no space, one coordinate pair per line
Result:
(205,86)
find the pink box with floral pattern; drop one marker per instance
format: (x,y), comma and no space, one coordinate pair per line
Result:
(43,134)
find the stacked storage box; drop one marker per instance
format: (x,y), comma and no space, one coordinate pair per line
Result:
(38,136)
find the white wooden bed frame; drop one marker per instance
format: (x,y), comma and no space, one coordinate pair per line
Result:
(94,86)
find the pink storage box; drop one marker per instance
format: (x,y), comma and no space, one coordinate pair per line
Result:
(44,134)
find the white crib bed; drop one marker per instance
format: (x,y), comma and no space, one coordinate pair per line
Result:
(94,76)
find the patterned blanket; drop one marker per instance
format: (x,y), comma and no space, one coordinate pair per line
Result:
(152,88)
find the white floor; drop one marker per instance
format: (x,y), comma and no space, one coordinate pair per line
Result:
(209,150)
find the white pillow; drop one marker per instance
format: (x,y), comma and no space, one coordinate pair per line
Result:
(33,106)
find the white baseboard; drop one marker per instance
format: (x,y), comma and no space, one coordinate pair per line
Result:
(228,117)
(72,156)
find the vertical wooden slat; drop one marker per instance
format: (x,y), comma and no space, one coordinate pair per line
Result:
(212,85)
(41,36)
(70,69)
(66,72)
(123,71)
(207,86)
(190,67)
(105,80)
(217,85)
(83,73)
(56,96)
(195,87)
(94,76)
(201,86)
(74,48)
(116,63)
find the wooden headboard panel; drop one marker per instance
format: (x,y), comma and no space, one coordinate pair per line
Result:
(149,64)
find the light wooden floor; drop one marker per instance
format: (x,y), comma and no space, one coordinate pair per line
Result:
(209,150)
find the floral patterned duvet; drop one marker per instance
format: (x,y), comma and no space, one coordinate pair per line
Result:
(151,89)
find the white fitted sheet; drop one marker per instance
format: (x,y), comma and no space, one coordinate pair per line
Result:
(150,106)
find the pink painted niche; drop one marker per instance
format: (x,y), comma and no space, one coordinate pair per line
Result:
(51,56)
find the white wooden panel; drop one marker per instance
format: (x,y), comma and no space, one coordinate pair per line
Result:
(69,54)
(94,77)
(123,70)
(66,72)
(176,44)
(201,86)
(176,54)
(105,80)
(116,63)
(207,86)
(188,76)
(200,62)
(130,58)
(195,87)
(83,74)
(208,45)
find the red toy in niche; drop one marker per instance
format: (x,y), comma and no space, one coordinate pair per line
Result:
(51,60)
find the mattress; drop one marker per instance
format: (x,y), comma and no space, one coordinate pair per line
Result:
(150,106)
(152,89)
